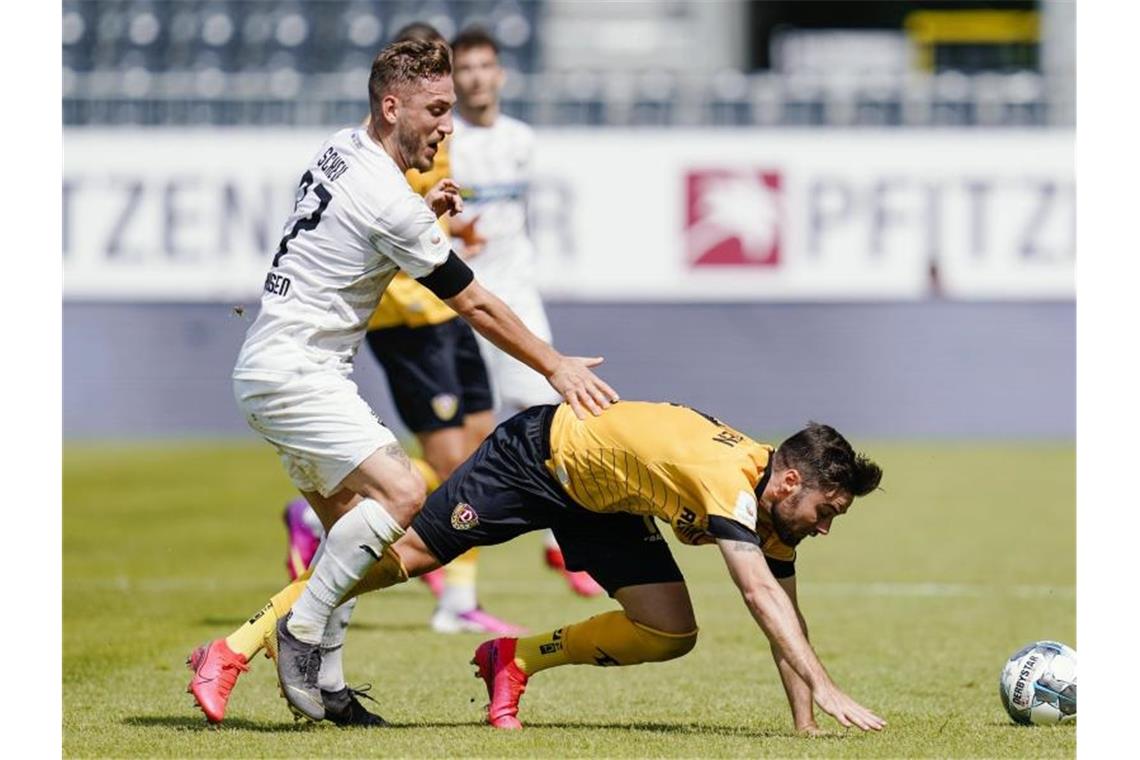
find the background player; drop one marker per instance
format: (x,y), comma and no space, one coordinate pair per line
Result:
(491,156)
(439,385)
(599,483)
(355,223)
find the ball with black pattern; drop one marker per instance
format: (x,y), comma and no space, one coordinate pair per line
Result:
(1038,684)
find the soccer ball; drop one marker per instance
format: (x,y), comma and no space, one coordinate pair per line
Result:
(1039,684)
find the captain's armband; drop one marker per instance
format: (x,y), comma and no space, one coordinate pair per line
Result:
(449,278)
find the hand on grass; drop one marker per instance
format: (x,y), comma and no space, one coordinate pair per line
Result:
(846,710)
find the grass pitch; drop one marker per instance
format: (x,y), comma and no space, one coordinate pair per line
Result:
(914,602)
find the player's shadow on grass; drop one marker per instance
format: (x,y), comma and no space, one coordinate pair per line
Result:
(191,723)
(648,727)
(219,622)
(681,728)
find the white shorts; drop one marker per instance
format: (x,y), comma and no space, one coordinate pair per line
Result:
(318,423)
(516,386)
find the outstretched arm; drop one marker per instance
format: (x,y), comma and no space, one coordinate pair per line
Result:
(569,375)
(774,611)
(798,691)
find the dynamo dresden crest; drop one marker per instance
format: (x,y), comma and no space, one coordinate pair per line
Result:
(464,517)
(445,405)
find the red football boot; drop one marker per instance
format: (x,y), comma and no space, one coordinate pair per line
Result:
(495,660)
(579,581)
(216,669)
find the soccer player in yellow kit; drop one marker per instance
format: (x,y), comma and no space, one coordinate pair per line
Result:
(599,484)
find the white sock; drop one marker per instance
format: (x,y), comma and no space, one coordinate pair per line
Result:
(458,599)
(331,677)
(351,547)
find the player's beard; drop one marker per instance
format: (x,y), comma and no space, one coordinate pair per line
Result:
(412,145)
(780,521)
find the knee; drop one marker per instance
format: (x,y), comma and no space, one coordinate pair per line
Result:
(660,646)
(408,497)
(402,497)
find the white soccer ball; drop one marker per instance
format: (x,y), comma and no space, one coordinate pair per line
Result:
(1039,684)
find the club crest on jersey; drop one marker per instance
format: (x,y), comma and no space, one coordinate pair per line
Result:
(464,517)
(445,405)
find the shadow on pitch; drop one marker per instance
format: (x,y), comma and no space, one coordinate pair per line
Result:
(704,729)
(228,623)
(191,723)
(700,729)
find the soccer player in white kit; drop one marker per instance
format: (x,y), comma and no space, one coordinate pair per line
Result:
(491,159)
(354,224)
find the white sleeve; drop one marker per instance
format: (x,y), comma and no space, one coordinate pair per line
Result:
(527,158)
(408,234)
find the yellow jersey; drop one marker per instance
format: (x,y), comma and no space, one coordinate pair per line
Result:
(406,302)
(670,462)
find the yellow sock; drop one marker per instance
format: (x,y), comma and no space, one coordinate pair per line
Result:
(254,633)
(607,639)
(387,572)
(462,570)
(429,475)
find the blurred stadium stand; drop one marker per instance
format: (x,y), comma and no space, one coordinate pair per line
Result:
(574,63)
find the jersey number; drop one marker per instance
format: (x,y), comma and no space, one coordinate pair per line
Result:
(309,222)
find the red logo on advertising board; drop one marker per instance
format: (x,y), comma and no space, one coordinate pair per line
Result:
(733,218)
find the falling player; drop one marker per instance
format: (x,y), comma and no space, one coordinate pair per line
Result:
(600,483)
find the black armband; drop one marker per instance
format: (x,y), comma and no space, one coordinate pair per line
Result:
(449,278)
(731,530)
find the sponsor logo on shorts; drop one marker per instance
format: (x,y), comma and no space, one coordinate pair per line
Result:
(464,517)
(445,405)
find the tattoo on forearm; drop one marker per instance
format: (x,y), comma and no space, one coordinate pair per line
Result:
(396,451)
(743,547)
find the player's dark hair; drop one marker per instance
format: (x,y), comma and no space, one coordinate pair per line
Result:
(825,460)
(474,37)
(420,31)
(403,63)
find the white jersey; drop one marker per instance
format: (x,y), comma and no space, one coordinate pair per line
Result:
(354,224)
(492,166)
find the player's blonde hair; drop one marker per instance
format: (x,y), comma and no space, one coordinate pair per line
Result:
(405,63)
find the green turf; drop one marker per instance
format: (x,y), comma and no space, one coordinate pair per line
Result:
(914,602)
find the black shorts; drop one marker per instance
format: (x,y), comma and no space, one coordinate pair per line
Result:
(435,372)
(505,490)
